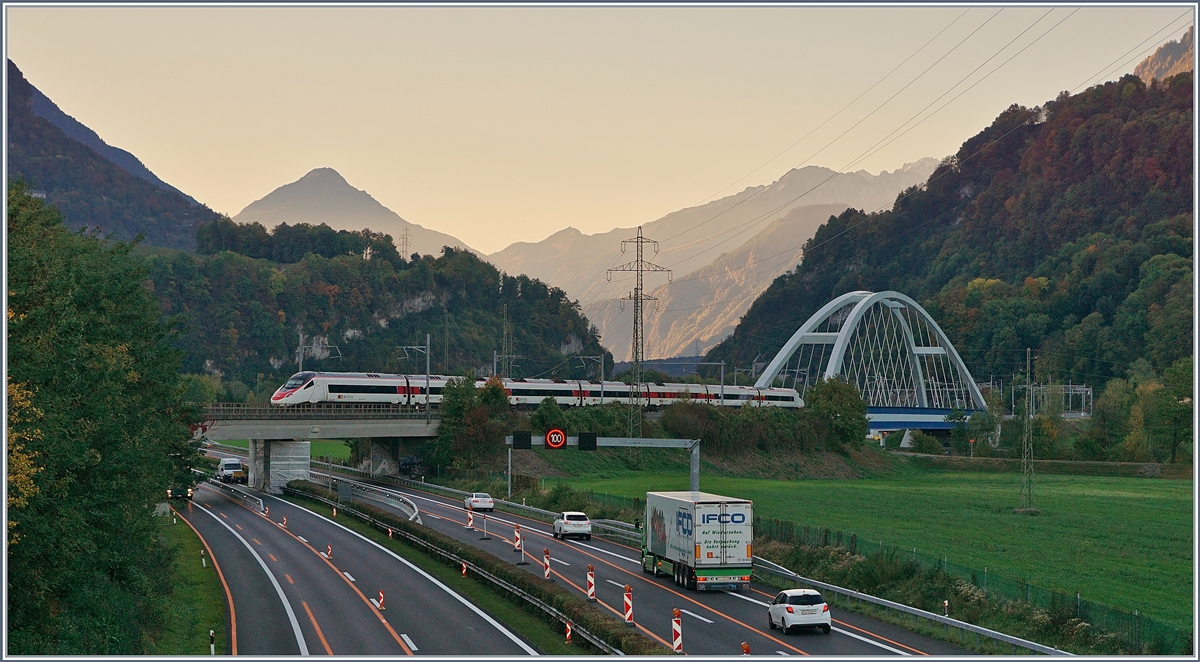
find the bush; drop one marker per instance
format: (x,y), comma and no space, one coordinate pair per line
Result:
(924,443)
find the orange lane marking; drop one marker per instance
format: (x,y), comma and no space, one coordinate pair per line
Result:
(224,515)
(320,634)
(228,595)
(877,636)
(239,526)
(256,542)
(273,558)
(619,614)
(351,584)
(289,578)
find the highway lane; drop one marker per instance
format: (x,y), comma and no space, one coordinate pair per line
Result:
(331,597)
(713,623)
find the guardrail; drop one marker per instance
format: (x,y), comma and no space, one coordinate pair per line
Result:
(545,608)
(227,448)
(764,567)
(399,501)
(609,529)
(251,501)
(233,411)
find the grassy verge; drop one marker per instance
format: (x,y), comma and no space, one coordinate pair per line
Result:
(318,448)
(1102,536)
(196,603)
(547,638)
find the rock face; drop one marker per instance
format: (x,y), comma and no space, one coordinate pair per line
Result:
(692,238)
(699,309)
(324,196)
(1173,57)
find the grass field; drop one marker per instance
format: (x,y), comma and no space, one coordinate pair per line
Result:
(197,601)
(1123,542)
(319,448)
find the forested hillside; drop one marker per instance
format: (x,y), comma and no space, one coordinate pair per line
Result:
(88,189)
(1065,228)
(243,315)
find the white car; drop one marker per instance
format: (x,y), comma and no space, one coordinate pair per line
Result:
(799,607)
(572,523)
(479,501)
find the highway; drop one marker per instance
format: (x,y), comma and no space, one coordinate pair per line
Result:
(290,596)
(713,623)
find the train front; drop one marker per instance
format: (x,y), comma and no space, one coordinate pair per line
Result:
(293,391)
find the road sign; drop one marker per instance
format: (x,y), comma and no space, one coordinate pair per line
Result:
(521,440)
(556,438)
(587,441)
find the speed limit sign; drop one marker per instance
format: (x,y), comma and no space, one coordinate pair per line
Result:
(556,438)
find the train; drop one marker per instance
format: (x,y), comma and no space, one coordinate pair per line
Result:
(421,391)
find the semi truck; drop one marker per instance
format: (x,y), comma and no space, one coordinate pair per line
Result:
(702,540)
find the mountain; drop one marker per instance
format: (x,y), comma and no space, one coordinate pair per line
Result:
(698,310)
(692,238)
(1066,228)
(90,182)
(1173,57)
(45,108)
(324,196)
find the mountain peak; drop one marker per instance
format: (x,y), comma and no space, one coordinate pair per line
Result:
(325,173)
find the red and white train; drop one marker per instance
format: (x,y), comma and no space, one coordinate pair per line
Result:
(412,391)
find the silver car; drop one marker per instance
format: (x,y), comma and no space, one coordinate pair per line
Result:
(799,607)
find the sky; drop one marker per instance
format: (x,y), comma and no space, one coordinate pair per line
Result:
(506,123)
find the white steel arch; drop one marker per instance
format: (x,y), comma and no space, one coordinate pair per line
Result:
(885,344)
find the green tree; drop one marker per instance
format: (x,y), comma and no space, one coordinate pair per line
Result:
(87,341)
(1172,406)
(839,412)
(548,416)
(959,434)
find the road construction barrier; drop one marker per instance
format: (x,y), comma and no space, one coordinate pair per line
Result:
(676,632)
(381,600)
(329,552)
(591,583)
(516,537)
(568,632)
(745,648)
(203,562)
(335,511)
(546,565)
(628,606)
(470,519)
(389,532)
(212,642)
(485,535)
(285,521)
(464,569)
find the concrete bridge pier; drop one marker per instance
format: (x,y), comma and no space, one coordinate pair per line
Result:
(274,462)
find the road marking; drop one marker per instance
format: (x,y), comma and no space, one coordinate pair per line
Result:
(605,551)
(348,576)
(694,615)
(615,583)
(409,642)
(559,561)
(781,652)
(224,515)
(320,634)
(747,599)
(239,527)
(289,578)
(287,606)
(873,643)
(228,594)
(301,538)
(482,614)
(878,636)
(323,555)
(273,558)
(256,541)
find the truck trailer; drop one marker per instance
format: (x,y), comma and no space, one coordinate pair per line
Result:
(702,540)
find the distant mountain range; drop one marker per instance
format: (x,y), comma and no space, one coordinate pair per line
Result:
(698,310)
(93,183)
(1173,57)
(693,237)
(324,196)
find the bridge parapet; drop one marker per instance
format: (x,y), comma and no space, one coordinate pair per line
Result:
(236,411)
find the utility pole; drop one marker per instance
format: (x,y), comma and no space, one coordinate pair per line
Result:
(1027,505)
(300,352)
(639,266)
(446,343)
(505,357)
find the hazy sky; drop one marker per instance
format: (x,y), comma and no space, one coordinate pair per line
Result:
(502,124)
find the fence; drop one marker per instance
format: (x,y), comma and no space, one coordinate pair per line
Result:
(1135,631)
(229,411)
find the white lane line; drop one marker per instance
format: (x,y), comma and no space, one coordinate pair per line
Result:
(482,614)
(302,538)
(605,551)
(409,642)
(694,615)
(869,641)
(559,561)
(781,653)
(348,575)
(618,585)
(748,599)
(374,602)
(287,606)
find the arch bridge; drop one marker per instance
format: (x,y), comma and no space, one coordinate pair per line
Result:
(889,347)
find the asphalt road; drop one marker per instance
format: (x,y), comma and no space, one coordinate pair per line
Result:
(291,597)
(714,623)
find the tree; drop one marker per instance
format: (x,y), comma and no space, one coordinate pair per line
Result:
(89,348)
(1172,407)
(21,467)
(839,411)
(548,416)
(959,435)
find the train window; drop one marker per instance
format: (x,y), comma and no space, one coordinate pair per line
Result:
(309,385)
(298,379)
